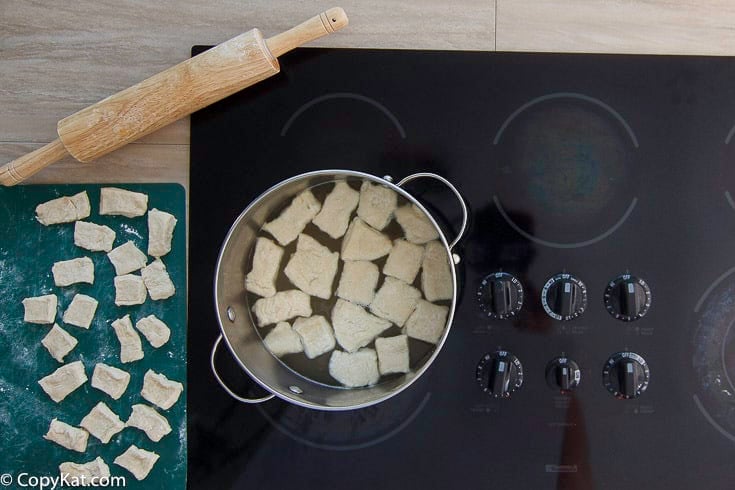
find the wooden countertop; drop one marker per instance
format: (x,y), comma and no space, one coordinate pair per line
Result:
(58,57)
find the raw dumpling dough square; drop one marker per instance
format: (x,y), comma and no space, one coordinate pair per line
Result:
(427,322)
(155,331)
(157,281)
(59,384)
(436,275)
(64,209)
(127,258)
(110,380)
(316,335)
(81,310)
(292,220)
(337,209)
(357,282)
(283,340)
(160,232)
(404,261)
(377,204)
(131,348)
(261,279)
(281,307)
(149,421)
(96,238)
(364,243)
(68,272)
(395,301)
(40,309)
(130,290)
(159,390)
(354,327)
(120,202)
(82,474)
(312,268)
(58,342)
(102,423)
(137,461)
(416,225)
(392,354)
(354,370)
(67,436)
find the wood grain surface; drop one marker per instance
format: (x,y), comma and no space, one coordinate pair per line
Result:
(59,57)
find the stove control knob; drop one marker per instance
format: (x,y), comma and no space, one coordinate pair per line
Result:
(627,297)
(564,297)
(626,375)
(500,295)
(563,374)
(499,374)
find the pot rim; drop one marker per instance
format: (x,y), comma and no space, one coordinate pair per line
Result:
(453,260)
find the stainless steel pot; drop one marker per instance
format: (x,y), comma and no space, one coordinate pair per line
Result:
(239,331)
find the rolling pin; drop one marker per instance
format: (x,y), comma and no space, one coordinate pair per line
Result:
(170,95)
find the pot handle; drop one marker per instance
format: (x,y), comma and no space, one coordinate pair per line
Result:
(224,386)
(465,212)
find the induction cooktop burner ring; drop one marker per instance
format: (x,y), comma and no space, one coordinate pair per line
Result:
(628,131)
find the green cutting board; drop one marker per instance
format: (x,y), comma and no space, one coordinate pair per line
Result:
(27,252)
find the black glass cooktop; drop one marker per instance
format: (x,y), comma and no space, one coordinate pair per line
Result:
(616,171)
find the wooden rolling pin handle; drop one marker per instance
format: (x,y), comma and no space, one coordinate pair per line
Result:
(23,167)
(320,25)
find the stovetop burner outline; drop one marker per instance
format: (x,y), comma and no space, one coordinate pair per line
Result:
(618,117)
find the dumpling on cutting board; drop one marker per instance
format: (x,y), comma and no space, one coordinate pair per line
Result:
(395,301)
(64,209)
(377,204)
(292,220)
(160,232)
(416,225)
(58,342)
(316,335)
(81,310)
(121,202)
(102,423)
(68,272)
(130,290)
(357,281)
(137,461)
(364,243)
(312,267)
(93,237)
(354,370)
(149,421)
(110,380)
(261,279)
(354,327)
(40,309)
(97,468)
(67,436)
(131,348)
(337,209)
(282,306)
(59,384)
(283,340)
(127,258)
(159,390)
(436,275)
(155,331)
(157,281)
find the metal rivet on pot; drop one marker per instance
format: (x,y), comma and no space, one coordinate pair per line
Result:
(456,258)
(296,389)
(231,314)
(388,178)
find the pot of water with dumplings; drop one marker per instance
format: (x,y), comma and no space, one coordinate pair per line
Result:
(306,380)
